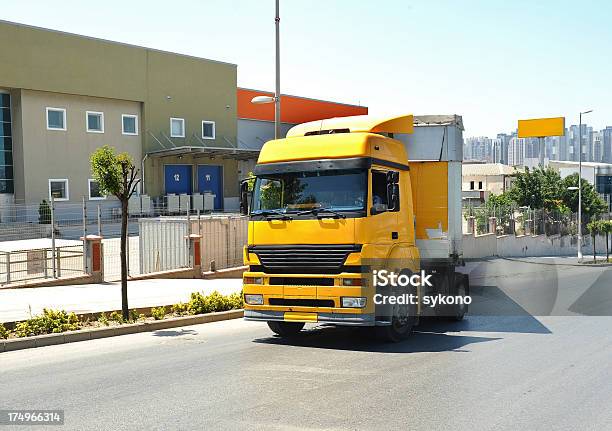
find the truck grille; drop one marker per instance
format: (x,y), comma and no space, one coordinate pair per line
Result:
(301,281)
(302,302)
(324,259)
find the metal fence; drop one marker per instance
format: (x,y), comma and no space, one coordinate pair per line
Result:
(522,221)
(47,224)
(33,261)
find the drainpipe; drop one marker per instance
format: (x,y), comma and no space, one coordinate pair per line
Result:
(142,174)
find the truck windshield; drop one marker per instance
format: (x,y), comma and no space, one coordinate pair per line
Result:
(337,190)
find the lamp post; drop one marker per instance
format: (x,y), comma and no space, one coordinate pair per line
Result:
(580,183)
(277,96)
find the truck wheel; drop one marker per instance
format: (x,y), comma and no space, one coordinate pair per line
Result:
(286,329)
(461,289)
(400,327)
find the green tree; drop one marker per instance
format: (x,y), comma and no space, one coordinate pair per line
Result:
(500,206)
(116,175)
(592,203)
(607,230)
(594,227)
(538,189)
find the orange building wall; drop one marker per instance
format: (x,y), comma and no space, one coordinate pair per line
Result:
(294,110)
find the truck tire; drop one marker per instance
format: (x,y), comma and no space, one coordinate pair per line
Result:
(399,329)
(403,320)
(462,288)
(286,329)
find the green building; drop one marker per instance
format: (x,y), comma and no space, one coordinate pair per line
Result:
(64,95)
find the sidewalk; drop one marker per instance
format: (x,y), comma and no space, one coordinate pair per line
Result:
(15,304)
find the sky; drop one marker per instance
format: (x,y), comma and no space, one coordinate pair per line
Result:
(491,61)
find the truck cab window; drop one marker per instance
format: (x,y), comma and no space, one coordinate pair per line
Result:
(379,191)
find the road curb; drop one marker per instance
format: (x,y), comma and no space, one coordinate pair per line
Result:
(113,331)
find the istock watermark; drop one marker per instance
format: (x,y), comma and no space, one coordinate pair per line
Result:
(384,278)
(422,281)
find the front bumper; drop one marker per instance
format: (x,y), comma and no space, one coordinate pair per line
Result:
(331,318)
(325,305)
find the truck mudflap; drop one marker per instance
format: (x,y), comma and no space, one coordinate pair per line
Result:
(331,318)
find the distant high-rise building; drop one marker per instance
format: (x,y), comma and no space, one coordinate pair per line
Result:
(516,151)
(504,141)
(597,147)
(606,141)
(587,143)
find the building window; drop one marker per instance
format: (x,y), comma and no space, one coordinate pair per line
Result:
(95,122)
(479,185)
(208,130)
(471,185)
(94,190)
(56,119)
(129,124)
(177,127)
(58,189)
(6,145)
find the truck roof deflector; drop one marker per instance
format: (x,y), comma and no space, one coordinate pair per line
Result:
(358,123)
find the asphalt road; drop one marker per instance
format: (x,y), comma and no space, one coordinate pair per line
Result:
(489,372)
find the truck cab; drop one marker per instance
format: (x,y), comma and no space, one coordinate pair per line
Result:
(329,203)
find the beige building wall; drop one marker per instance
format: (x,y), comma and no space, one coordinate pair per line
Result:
(491,183)
(56,154)
(52,68)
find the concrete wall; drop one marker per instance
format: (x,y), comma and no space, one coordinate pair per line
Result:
(44,154)
(489,245)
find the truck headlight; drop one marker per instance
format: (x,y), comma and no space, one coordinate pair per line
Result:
(253,299)
(351,281)
(353,301)
(253,280)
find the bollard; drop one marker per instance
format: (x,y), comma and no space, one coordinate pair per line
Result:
(493,225)
(472,225)
(95,257)
(195,253)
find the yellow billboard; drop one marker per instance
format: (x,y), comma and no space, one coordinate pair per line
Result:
(541,127)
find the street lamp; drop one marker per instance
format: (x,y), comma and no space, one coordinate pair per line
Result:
(580,183)
(277,96)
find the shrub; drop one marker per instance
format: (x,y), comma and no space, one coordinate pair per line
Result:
(116,316)
(51,321)
(158,313)
(4,333)
(133,315)
(236,301)
(180,308)
(200,303)
(44,213)
(103,319)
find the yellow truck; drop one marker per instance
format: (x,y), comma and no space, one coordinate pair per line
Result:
(339,200)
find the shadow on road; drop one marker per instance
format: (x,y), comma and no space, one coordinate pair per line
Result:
(432,335)
(175,333)
(426,338)
(597,300)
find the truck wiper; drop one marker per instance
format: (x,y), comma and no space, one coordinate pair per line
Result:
(317,211)
(273,214)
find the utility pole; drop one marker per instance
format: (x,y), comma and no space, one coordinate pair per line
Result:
(580,184)
(277,94)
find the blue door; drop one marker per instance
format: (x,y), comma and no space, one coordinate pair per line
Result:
(177,179)
(210,179)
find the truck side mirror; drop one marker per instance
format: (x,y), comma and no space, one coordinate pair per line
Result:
(244,197)
(393,190)
(393,197)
